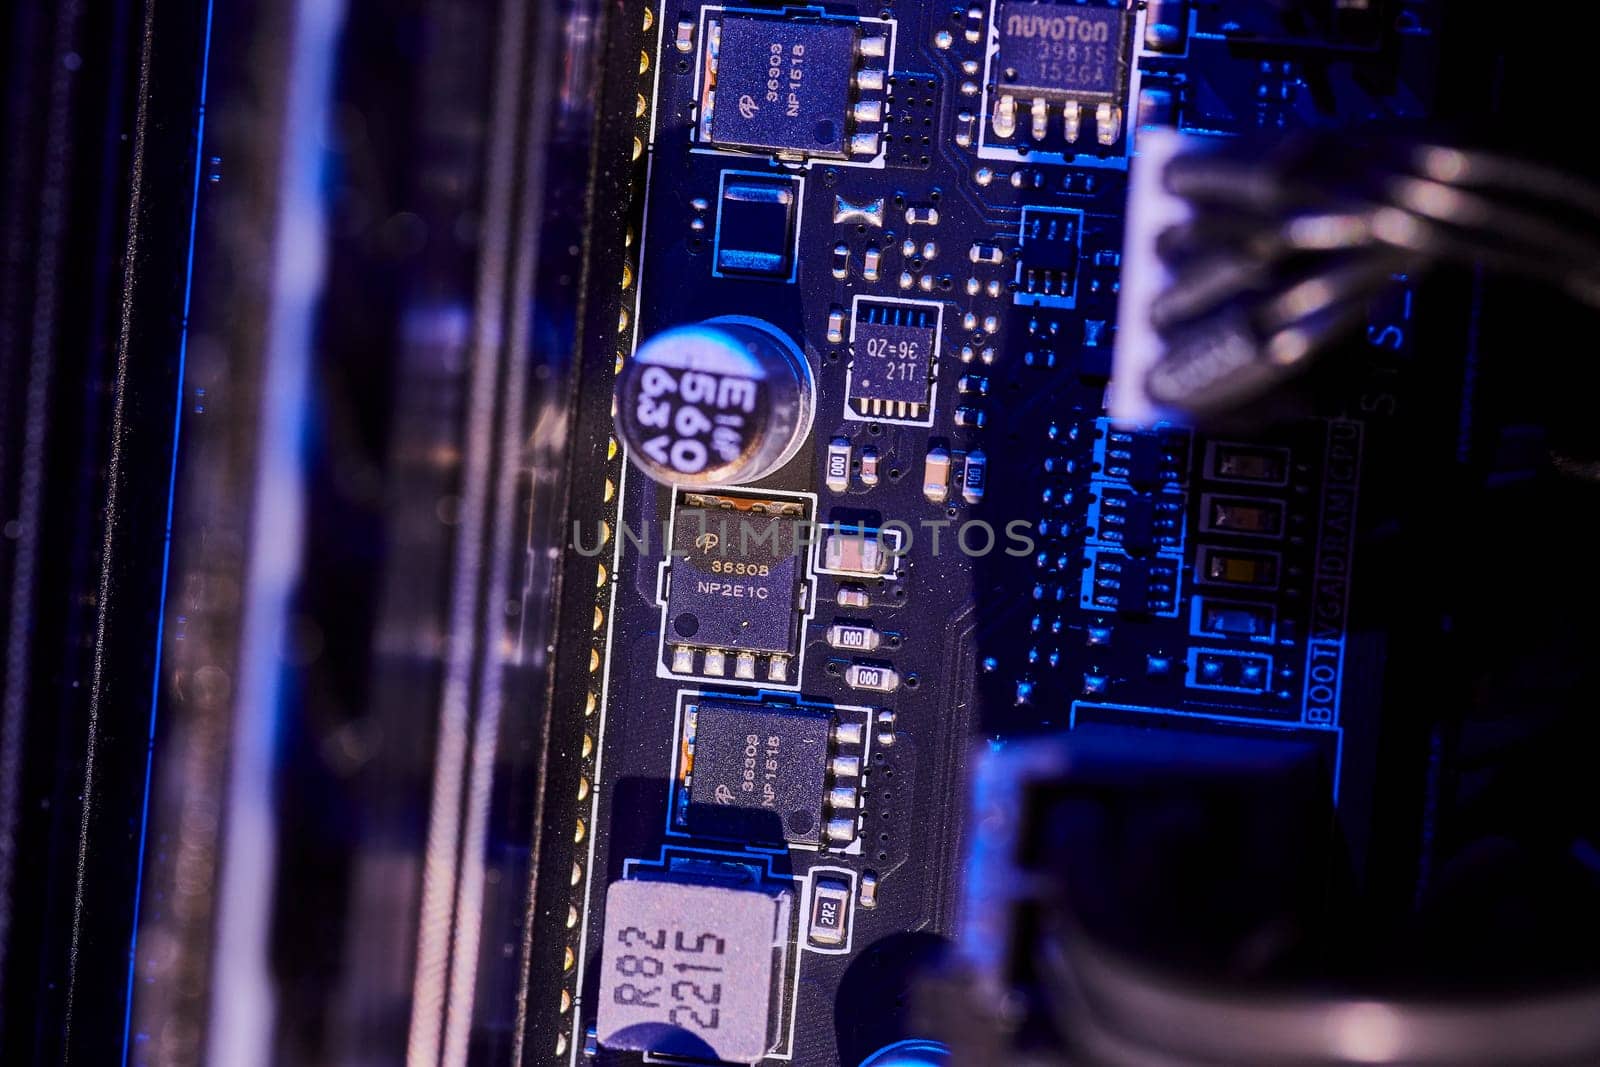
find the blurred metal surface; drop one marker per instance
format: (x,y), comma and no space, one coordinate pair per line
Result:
(318,338)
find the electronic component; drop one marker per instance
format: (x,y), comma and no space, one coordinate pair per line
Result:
(1241,515)
(1060,49)
(1225,566)
(691,970)
(1246,672)
(837,475)
(1047,256)
(1136,522)
(876,679)
(727,401)
(1226,618)
(936,475)
(1142,458)
(757,216)
(796,87)
(974,476)
(1058,57)
(852,596)
(869,466)
(893,347)
(760,774)
(734,588)
(1130,585)
(852,636)
(1258,464)
(859,552)
(829,923)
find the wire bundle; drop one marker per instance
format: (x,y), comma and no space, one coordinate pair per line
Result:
(1282,252)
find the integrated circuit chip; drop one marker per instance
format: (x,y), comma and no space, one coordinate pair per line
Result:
(1061,49)
(1059,57)
(734,581)
(893,346)
(1048,249)
(784,85)
(689,970)
(759,773)
(795,87)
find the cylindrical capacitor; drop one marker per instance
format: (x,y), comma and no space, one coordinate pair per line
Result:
(723,402)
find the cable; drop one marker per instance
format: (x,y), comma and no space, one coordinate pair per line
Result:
(1280,253)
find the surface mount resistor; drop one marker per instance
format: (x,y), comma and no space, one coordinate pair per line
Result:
(974,476)
(838,475)
(876,679)
(829,923)
(936,475)
(854,637)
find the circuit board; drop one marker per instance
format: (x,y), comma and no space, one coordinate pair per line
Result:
(927,204)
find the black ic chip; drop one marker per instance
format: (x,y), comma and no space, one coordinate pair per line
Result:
(1047,255)
(894,346)
(734,577)
(758,773)
(1061,50)
(783,85)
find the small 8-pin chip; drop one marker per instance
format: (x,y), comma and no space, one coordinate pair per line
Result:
(1053,50)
